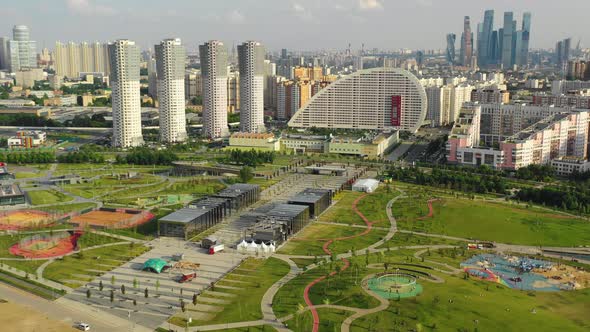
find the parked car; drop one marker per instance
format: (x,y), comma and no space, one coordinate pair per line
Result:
(187,277)
(82,326)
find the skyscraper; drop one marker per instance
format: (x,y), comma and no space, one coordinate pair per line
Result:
(170,61)
(507,40)
(72,59)
(251,65)
(214,75)
(451,48)
(22,51)
(124,58)
(466,43)
(485,45)
(4,54)
(526,35)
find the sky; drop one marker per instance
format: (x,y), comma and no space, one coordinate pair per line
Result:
(304,25)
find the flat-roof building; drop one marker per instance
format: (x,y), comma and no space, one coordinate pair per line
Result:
(318,200)
(240,195)
(197,217)
(11,195)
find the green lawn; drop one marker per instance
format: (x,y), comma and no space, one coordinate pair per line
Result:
(407,239)
(310,241)
(500,222)
(497,308)
(256,276)
(494,307)
(341,211)
(41,197)
(75,270)
(66,208)
(29,175)
(330,320)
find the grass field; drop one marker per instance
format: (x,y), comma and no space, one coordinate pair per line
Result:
(310,241)
(454,305)
(500,222)
(76,270)
(407,239)
(29,175)
(42,197)
(253,277)
(341,211)
(66,208)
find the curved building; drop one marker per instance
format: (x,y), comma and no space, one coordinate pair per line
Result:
(374,99)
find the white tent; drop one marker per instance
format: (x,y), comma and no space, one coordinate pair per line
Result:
(271,247)
(263,247)
(252,247)
(365,185)
(243,245)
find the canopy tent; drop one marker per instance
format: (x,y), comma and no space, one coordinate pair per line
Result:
(156,265)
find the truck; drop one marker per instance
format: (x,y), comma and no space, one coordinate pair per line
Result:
(216,248)
(187,277)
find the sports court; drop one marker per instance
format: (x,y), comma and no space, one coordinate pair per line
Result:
(111,218)
(26,219)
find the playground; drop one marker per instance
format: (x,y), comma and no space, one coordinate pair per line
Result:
(394,285)
(111,218)
(526,273)
(46,245)
(26,219)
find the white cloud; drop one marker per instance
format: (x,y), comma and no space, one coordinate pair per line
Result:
(236,17)
(370,4)
(87,7)
(302,12)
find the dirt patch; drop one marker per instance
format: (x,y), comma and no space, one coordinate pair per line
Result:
(11,316)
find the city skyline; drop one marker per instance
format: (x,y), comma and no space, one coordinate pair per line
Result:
(349,21)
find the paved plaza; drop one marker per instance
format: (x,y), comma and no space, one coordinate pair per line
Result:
(165,301)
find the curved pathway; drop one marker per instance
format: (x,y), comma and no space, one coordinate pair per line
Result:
(314,312)
(268,315)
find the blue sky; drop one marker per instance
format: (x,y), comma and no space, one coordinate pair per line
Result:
(293,24)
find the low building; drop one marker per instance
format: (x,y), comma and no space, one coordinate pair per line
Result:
(11,194)
(27,139)
(278,224)
(259,141)
(368,147)
(305,143)
(365,185)
(38,111)
(240,195)
(565,166)
(16,102)
(318,200)
(63,180)
(68,100)
(4,173)
(197,217)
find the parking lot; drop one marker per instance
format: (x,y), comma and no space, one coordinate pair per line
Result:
(164,291)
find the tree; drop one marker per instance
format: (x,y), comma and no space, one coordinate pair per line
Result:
(157,285)
(182,305)
(88,293)
(112,295)
(145,293)
(134,282)
(134,302)
(113,280)
(100,286)
(246,174)
(122,289)
(195,299)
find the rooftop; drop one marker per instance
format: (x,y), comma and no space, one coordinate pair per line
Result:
(310,195)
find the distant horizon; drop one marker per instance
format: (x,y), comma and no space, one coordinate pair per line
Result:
(301,26)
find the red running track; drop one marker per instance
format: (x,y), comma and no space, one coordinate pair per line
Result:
(430,209)
(314,312)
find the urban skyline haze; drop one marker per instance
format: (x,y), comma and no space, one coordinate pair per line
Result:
(300,24)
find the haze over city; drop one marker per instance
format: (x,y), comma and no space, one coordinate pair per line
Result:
(301,24)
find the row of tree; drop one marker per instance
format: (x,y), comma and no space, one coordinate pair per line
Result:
(28,157)
(567,198)
(27,120)
(456,180)
(145,156)
(251,157)
(78,157)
